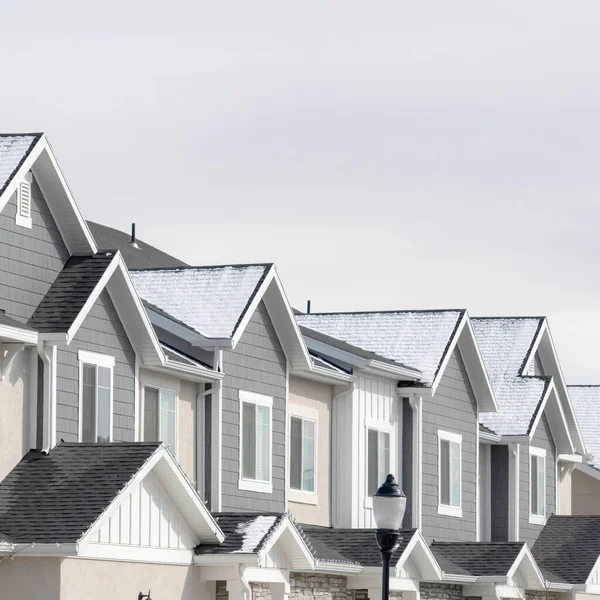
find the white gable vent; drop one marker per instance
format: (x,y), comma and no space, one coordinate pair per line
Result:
(24,202)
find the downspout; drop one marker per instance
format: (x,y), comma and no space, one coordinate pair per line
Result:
(348,389)
(416,404)
(33,397)
(48,354)
(514,512)
(216,410)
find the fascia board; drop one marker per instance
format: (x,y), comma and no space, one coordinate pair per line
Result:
(392,371)
(287,525)
(189,373)
(33,549)
(525,559)
(424,558)
(53,338)
(425,392)
(540,410)
(492,438)
(448,353)
(570,458)
(459,579)
(324,375)
(138,554)
(335,568)
(15,334)
(589,471)
(226,560)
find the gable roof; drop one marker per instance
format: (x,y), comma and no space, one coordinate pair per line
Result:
(55,497)
(569,546)
(21,153)
(417,339)
(144,256)
(478,558)
(69,292)
(210,300)
(505,344)
(586,404)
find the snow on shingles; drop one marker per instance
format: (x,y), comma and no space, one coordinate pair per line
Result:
(210,300)
(13,149)
(504,344)
(253,532)
(586,403)
(417,339)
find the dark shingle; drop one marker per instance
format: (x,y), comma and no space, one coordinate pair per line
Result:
(142,257)
(56,497)
(477,558)
(10,322)
(568,547)
(353,545)
(69,292)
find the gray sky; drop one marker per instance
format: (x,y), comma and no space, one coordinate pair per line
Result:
(383,154)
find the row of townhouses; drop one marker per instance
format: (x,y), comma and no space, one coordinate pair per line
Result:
(184,430)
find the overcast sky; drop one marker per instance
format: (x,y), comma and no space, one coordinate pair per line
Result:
(384,154)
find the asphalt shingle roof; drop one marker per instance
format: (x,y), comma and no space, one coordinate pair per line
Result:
(586,404)
(477,558)
(142,257)
(69,292)
(353,545)
(14,149)
(10,322)
(505,344)
(56,497)
(568,546)
(418,339)
(210,300)
(245,533)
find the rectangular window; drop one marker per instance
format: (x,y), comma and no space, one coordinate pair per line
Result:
(302,454)
(160,416)
(537,485)
(450,474)
(378,459)
(95,397)
(255,447)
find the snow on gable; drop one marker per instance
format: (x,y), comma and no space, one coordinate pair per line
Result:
(253,532)
(416,339)
(210,300)
(585,400)
(504,344)
(13,150)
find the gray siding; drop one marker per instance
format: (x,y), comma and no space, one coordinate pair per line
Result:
(256,365)
(542,439)
(30,259)
(454,409)
(101,332)
(407,452)
(499,493)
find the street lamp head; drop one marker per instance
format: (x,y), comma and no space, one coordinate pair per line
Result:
(389,504)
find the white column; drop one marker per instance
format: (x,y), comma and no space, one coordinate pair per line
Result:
(514,468)
(280,591)
(238,590)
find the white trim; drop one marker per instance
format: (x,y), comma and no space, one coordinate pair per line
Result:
(160,389)
(306,414)
(216,456)
(94,358)
(245,483)
(387,429)
(416,403)
(137,554)
(23,220)
(33,396)
(137,433)
(477,482)
(514,509)
(534,518)
(16,334)
(449,509)
(103,361)
(287,458)
(199,440)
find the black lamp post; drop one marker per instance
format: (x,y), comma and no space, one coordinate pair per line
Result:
(389,504)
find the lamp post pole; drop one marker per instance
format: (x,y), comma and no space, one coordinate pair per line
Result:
(389,504)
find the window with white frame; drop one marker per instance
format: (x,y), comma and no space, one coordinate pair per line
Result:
(450,473)
(95,396)
(302,454)
(255,442)
(378,458)
(160,416)
(537,485)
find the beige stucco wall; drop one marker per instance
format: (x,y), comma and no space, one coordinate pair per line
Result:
(186,415)
(564,490)
(585,494)
(14,434)
(30,579)
(112,580)
(315,397)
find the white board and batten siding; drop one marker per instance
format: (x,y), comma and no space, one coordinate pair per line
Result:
(373,404)
(147,517)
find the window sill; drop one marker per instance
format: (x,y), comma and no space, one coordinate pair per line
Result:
(250,485)
(537,519)
(450,511)
(302,497)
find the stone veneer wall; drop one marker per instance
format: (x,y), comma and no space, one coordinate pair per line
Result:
(540,595)
(440,591)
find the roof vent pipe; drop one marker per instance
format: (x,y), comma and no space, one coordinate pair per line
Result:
(133,242)
(308,307)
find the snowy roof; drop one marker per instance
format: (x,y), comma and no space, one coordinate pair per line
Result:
(505,344)
(210,300)
(418,339)
(586,403)
(14,148)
